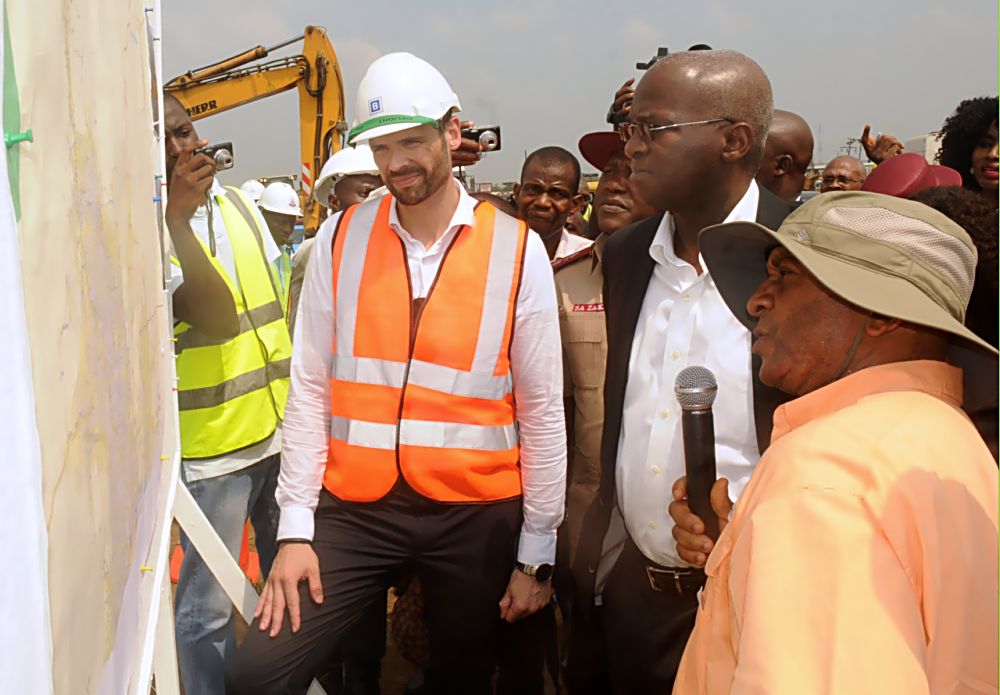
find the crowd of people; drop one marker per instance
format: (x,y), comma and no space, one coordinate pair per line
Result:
(469,400)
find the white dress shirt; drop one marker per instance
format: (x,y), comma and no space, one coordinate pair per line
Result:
(199,469)
(683,321)
(536,366)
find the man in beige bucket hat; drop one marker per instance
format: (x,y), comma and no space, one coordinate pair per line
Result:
(862,556)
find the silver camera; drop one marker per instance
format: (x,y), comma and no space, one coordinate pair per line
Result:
(221,154)
(488,137)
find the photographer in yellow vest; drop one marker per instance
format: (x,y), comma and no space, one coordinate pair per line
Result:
(233,356)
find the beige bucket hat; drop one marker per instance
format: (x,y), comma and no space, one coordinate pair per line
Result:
(888,255)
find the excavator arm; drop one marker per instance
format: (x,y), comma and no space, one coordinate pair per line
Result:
(243,79)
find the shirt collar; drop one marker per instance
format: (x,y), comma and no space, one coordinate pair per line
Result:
(465,211)
(937,379)
(662,246)
(599,243)
(218,191)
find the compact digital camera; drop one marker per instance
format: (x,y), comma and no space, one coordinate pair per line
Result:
(221,154)
(487,136)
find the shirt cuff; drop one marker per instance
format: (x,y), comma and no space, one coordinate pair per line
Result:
(296,522)
(537,548)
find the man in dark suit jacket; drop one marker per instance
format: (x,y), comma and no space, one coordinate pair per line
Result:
(696,138)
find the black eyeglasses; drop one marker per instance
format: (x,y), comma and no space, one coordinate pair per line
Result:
(631,129)
(842,180)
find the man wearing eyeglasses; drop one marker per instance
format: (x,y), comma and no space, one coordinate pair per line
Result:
(843,173)
(695,139)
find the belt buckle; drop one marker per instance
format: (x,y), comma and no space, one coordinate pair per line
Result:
(652,572)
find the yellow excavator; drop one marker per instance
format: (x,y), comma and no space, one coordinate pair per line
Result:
(241,79)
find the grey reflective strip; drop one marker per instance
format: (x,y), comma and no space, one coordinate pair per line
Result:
(352,264)
(237,201)
(453,435)
(211,396)
(440,435)
(374,435)
(460,383)
(261,316)
(368,370)
(499,279)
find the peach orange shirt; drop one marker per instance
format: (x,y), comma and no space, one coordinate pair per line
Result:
(862,557)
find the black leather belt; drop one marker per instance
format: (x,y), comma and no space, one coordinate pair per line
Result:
(685,581)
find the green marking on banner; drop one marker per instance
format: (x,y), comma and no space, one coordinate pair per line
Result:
(11,118)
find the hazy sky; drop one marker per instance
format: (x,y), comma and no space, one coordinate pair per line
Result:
(546,71)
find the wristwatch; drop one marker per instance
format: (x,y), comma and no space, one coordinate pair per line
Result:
(541,573)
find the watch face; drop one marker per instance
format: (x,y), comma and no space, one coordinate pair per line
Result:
(543,573)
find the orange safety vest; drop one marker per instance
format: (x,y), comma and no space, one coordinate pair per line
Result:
(427,396)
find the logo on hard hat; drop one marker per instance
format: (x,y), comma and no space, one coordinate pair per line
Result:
(375,105)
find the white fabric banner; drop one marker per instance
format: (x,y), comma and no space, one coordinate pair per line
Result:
(26,658)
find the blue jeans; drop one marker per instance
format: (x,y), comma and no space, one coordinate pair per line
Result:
(204,614)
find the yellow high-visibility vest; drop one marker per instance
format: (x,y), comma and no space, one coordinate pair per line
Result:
(232,393)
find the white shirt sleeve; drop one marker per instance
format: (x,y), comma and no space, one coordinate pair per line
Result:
(536,365)
(306,429)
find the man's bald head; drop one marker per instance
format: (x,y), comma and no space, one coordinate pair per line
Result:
(728,85)
(721,101)
(843,173)
(787,154)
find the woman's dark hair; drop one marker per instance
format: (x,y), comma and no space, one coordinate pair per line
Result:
(978,218)
(962,131)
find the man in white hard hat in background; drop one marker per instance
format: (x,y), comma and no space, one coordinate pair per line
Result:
(347,178)
(279,204)
(433,437)
(233,354)
(253,189)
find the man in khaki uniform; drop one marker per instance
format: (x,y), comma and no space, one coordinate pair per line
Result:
(585,347)
(579,283)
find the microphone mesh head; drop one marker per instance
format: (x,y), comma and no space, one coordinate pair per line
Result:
(695,388)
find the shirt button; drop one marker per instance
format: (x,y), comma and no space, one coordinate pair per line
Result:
(686,298)
(676,354)
(665,413)
(656,470)
(652,525)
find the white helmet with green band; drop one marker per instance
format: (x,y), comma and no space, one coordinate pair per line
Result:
(400,91)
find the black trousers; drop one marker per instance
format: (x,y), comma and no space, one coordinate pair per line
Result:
(647,618)
(463,555)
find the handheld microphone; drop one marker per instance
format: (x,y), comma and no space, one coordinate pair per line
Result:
(695,389)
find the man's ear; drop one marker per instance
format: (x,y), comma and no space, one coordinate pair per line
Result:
(738,141)
(783,164)
(879,325)
(515,192)
(453,132)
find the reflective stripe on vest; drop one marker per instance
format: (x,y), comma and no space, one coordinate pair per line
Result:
(438,405)
(232,393)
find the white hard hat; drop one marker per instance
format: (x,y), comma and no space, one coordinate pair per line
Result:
(280,198)
(347,162)
(400,91)
(253,188)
